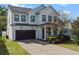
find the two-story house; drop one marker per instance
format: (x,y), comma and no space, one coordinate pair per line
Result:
(27,23)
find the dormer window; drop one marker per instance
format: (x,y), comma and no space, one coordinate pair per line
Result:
(32,18)
(49,18)
(44,18)
(16,17)
(23,18)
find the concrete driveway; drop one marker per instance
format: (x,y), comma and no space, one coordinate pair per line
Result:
(36,47)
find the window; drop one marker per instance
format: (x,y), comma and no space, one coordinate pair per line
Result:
(23,18)
(43,18)
(49,30)
(16,17)
(55,18)
(49,18)
(32,18)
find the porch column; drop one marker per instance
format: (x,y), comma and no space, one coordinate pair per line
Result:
(44,32)
(52,30)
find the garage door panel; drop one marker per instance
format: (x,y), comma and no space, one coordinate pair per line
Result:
(25,34)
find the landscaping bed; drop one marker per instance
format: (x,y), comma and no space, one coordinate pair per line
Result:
(8,47)
(59,39)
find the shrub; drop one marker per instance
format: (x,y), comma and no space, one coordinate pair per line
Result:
(76,40)
(66,38)
(52,39)
(58,39)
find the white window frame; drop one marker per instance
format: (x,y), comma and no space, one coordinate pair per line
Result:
(14,17)
(21,19)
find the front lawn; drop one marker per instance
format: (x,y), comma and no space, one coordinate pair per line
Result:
(8,47)
(70,45)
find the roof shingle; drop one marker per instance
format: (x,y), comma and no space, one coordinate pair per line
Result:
(15,9)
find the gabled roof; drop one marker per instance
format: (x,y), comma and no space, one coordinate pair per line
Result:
(51,8)
(15,9)
(39,8)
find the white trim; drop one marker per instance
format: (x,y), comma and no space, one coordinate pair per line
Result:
(44,32)
(26,18)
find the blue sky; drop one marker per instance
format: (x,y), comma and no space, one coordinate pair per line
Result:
(73,9)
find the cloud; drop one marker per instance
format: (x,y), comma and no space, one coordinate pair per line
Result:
(29,6)
(15,4)
(21,5)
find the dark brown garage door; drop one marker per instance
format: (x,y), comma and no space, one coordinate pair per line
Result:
(25,34)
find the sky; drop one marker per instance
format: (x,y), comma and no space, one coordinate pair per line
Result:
(72,9)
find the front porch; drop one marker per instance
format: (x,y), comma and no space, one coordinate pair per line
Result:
(49,30)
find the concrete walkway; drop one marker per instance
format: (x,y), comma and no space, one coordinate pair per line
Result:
(43,48)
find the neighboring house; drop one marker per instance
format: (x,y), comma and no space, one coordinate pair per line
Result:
(26,23)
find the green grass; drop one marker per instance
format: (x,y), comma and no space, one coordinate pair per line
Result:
(8,47)
(70,45)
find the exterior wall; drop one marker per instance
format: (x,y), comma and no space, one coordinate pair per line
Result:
(9,17)
(9,28)
(10,33)
(38,31)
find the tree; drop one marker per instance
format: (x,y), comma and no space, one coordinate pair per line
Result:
(3,11)
(75,28)
(3,22)
(77,18)
(65,19)
(3,18)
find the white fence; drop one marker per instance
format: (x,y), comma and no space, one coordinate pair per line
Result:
(4,33)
